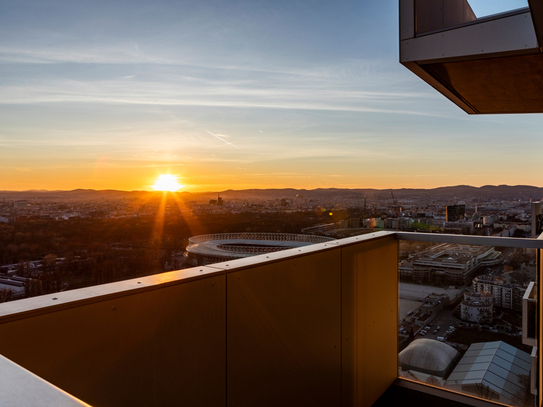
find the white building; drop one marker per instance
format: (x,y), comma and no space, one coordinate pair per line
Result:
(504,295)
(477,307)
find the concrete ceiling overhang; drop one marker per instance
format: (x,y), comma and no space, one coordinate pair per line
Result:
(485,66)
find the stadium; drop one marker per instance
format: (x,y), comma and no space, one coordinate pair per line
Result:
(219,247)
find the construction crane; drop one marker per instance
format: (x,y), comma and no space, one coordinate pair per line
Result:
(397,209)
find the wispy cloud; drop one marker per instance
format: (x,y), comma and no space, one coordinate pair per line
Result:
(372,102)
(223,140)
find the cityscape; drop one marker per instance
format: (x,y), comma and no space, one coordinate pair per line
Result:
(453,295)
(89,237)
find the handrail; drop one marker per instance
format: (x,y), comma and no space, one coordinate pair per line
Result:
(473,240)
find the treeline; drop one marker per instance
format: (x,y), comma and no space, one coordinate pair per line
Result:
(32,240)
(77,253)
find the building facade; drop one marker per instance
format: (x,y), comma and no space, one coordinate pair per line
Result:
(454,262)
(455,212)
(504,295)
(477,307)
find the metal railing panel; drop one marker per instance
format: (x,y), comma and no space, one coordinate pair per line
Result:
(146,348)
(369,319)
(284,332)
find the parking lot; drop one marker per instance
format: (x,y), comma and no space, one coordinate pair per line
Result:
(418,292)
(440,326)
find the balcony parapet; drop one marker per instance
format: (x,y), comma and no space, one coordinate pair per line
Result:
(290,327)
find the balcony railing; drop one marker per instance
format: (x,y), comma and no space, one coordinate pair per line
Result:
(465,334)
(316,325)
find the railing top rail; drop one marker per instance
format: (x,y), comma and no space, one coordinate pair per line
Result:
(473,240)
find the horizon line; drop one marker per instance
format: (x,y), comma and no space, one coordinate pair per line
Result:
(261,189)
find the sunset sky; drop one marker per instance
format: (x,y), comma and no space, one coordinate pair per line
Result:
(235,95)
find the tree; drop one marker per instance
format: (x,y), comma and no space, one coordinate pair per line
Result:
(521,276)
(6,294)
(23,269)
(524,397)
(484,392)
(49,262)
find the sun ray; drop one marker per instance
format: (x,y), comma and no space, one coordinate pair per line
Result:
(193,223)
(158,228)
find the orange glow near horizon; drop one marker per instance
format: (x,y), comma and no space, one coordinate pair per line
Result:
(167,182)
(202,178)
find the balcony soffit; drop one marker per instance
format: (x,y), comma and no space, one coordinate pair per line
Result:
(495,66)
(497,85)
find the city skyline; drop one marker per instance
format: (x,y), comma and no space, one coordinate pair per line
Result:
(236,96)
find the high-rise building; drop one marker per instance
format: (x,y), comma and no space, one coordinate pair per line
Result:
(455,212)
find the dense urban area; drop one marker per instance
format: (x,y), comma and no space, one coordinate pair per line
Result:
(51,241)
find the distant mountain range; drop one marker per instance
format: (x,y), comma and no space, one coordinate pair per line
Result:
(459,192)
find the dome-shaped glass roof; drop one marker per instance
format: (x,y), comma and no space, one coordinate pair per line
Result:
(429,356)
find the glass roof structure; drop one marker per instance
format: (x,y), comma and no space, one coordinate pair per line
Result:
(494,365)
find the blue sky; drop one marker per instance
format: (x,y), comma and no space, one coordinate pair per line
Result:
(236,94)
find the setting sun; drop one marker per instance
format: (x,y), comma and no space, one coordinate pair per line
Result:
(167,182)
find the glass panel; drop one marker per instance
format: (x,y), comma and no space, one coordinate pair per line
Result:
(433,15)
(461,319)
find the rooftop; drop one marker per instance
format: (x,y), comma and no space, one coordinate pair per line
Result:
(496,365)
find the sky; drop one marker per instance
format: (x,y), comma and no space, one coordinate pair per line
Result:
(232,94)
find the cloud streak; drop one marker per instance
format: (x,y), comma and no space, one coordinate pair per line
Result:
(223,140)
